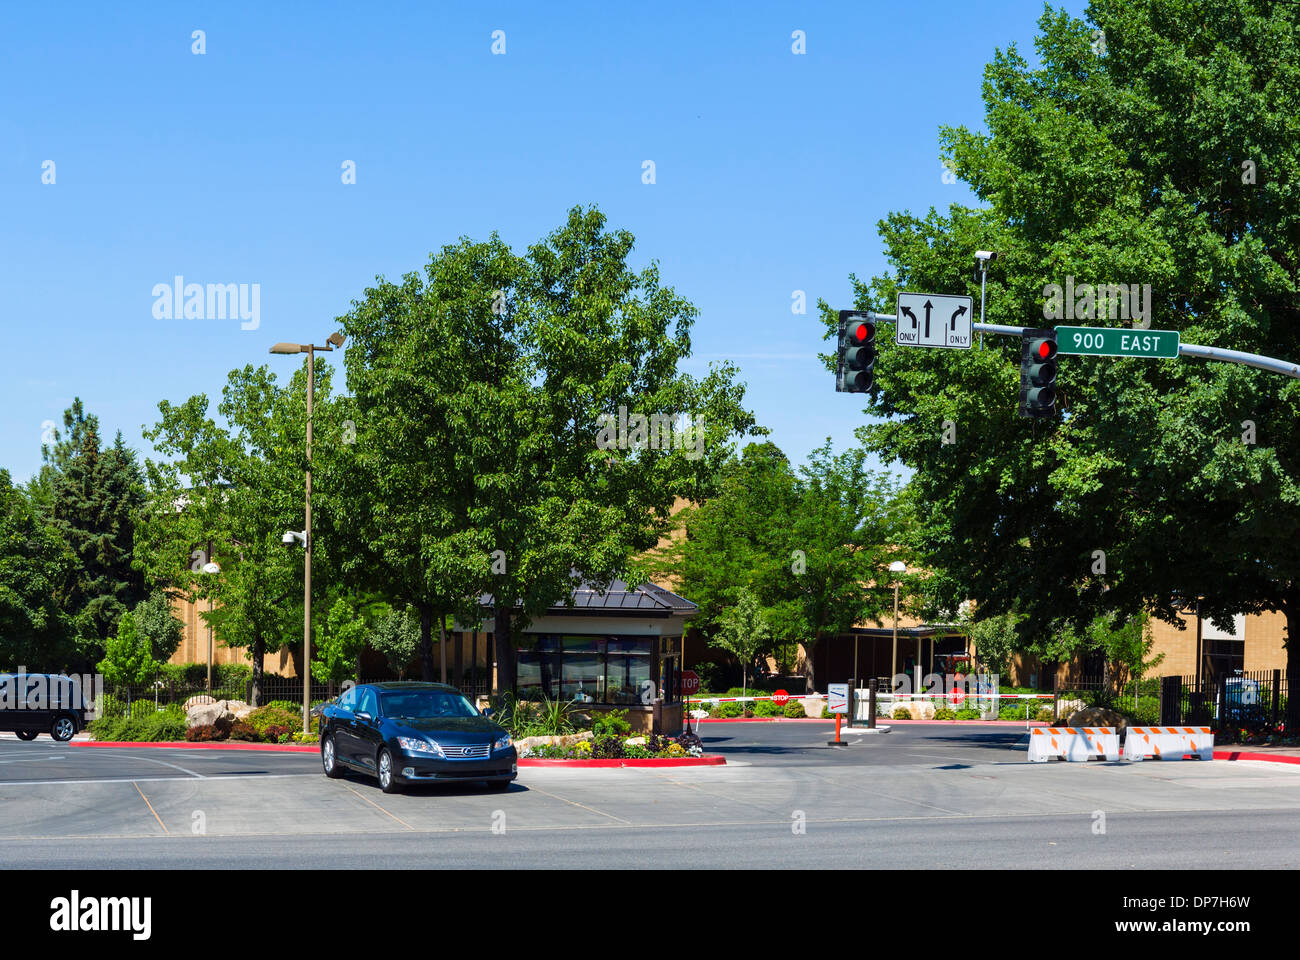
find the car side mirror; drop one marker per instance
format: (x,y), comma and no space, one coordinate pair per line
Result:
(487,711)
(365,716)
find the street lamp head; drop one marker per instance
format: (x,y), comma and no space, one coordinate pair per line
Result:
(211,567)
(898,566)
(287,348)
(335,339)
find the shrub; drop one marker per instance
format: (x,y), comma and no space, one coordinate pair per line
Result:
(274,733)
(901,713)
(1044,715)
(968,713)
(269,716)
(608,747)
(766,708)
(205,732)
(730,709)
(945,713)
(794,709)
(301,737)
(243,730)
(612,723)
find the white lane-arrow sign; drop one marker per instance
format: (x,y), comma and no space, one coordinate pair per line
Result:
(933,320)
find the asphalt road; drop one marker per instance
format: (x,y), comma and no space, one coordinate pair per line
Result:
(921,796)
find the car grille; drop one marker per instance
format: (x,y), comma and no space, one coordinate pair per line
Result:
(474,751)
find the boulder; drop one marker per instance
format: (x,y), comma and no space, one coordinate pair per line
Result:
(1096,717)
(921,710)
(204,714)
(196,700)
(219,712)
(526,743)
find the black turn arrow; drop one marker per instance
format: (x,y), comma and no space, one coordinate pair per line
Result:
(955,314)
(928,306)
(907,312)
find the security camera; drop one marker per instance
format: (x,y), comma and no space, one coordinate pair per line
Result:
(290,537)
(986,255)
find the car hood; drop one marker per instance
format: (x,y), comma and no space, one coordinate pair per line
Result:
(449,729)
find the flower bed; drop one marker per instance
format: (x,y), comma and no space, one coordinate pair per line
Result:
(616,747)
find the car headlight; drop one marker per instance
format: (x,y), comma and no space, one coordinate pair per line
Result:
(417,745)
(502,743)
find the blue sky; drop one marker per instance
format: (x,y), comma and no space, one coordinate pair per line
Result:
(772,170)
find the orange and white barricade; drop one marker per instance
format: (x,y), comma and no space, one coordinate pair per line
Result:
(1073,743)
(1168,743)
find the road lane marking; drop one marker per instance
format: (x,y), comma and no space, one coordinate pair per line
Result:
(130,779)
(380,809)
(32,759)
(577,804)
(150,806)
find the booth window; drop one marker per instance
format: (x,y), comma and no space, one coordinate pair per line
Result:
(590,669)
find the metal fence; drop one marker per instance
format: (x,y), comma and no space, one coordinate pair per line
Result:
(1241,704)
(1238,706)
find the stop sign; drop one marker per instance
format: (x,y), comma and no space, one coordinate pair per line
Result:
(690,683)
(780,698)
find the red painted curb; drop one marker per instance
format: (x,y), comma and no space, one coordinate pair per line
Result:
(708,760)
(201,745)
(863,723)
(1267,757)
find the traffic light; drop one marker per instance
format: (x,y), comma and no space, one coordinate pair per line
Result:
(1038,373)
(855,371)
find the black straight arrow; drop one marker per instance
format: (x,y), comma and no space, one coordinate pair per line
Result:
(928,306)
(955,314)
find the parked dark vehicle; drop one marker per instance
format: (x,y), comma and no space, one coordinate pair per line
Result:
(36,703)
(407,732)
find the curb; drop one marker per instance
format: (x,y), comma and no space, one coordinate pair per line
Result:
(1266,757)
(201,745)
(708,760)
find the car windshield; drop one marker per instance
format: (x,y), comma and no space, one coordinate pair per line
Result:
(420,704)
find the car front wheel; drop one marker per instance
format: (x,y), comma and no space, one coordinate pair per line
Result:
(387,782)
(26,734)
(329,760)
(63,728)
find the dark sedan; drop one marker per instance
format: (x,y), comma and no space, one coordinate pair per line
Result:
(406,732)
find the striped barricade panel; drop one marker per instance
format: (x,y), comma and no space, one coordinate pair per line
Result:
(1073,743)
(1168,743)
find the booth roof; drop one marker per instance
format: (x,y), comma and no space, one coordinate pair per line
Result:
(646,599)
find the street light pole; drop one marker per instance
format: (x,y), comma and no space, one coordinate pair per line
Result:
(334,340)
(306,569)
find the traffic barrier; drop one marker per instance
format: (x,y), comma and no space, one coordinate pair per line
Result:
(1073,743)
(1168,743)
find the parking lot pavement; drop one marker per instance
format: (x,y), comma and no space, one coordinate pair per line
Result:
(958,794)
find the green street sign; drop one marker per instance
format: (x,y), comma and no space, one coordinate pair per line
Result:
(1117,342)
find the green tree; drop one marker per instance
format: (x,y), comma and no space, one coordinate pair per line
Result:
(128,658)
(236,489)
(744,633)
(812,545)
(155,622)
(1164,160)
(92,496)
(35,630)
(396,637)
(484,392)
(338,650)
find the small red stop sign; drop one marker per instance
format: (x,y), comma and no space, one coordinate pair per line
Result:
(780,698)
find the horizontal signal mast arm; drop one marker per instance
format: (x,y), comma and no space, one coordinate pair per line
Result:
(1258,361)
